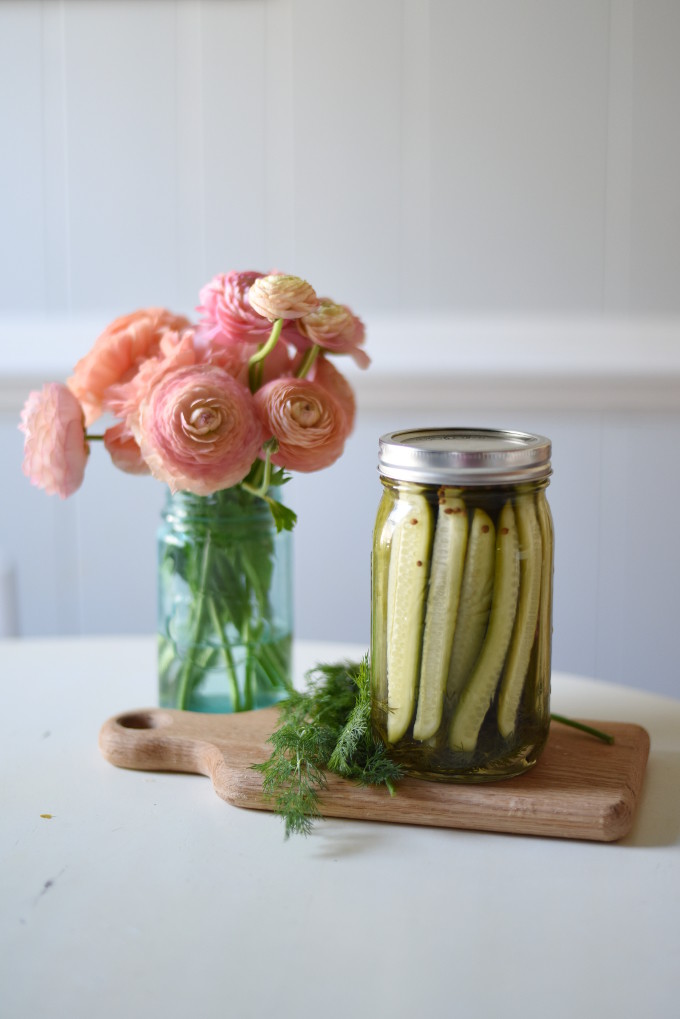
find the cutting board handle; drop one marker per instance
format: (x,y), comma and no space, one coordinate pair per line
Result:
(222,746)
(159,739)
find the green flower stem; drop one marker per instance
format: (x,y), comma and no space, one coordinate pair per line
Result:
(248,679)
(254,364)
(166,654)
(261,489)
(605,736)
(307,361)
(226,651)
(272,668)
(93,438)
(184,687)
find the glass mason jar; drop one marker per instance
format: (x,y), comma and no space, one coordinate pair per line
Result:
(225,603)
(462,602)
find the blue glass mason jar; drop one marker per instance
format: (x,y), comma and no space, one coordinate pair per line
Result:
(462,570)
(225,603)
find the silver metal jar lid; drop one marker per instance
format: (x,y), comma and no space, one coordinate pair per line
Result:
(464,456)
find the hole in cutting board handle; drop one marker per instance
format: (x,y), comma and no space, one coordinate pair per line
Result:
(143,720)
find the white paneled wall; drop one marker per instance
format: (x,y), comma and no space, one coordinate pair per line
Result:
(491,184)
(477,156)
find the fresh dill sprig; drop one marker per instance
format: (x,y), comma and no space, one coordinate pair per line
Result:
(326,728)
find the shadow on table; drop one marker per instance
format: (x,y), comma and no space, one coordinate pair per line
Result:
(657,822)
(335,837)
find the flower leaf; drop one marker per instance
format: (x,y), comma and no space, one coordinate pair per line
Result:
(284,517)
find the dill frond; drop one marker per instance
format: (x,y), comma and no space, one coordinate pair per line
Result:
(326,728)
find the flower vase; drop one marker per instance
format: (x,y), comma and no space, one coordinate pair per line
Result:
(225,603)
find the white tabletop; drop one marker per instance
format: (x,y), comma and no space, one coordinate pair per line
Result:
(145,894)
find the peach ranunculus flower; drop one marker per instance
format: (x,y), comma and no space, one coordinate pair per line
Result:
(55,450)
(308,422)
(226,312)
(175,350)
(117,355)
(198,430)
(335,328)
(325,374)
(123,449)
(279,296)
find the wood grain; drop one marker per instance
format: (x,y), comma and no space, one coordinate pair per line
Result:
(581,787)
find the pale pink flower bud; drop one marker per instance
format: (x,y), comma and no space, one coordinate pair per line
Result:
(117,355)
(198,430)
(335,328)
(123,450)
(55,450)
(226,314)
(286,297)
(307,421)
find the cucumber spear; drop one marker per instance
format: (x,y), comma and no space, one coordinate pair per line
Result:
(406,584)
(481,687)
(545,607)
(475,603)
(524,632)
(443,596)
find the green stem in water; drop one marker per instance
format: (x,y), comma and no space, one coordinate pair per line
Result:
(307,361)
(254,364)
(226,651)
(249,668)
(605,736)
(93,438)
(272,669)
(184,688)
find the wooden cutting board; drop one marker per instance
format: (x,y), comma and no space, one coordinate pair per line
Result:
(581,787)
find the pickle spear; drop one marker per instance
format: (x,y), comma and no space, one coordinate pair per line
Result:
(406,584)
(443,596)
(480,689)
(524,632)
(475,602)
(545,607)
(382,537)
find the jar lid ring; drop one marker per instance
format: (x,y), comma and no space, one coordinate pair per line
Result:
(470,456)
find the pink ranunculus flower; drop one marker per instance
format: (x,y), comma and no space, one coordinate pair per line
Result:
(198,429)
(335,328)
(226,313)
(117,355)
(327,375)
(233,359)
(279,296)
(55,449)
(124,450)
(309,423)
